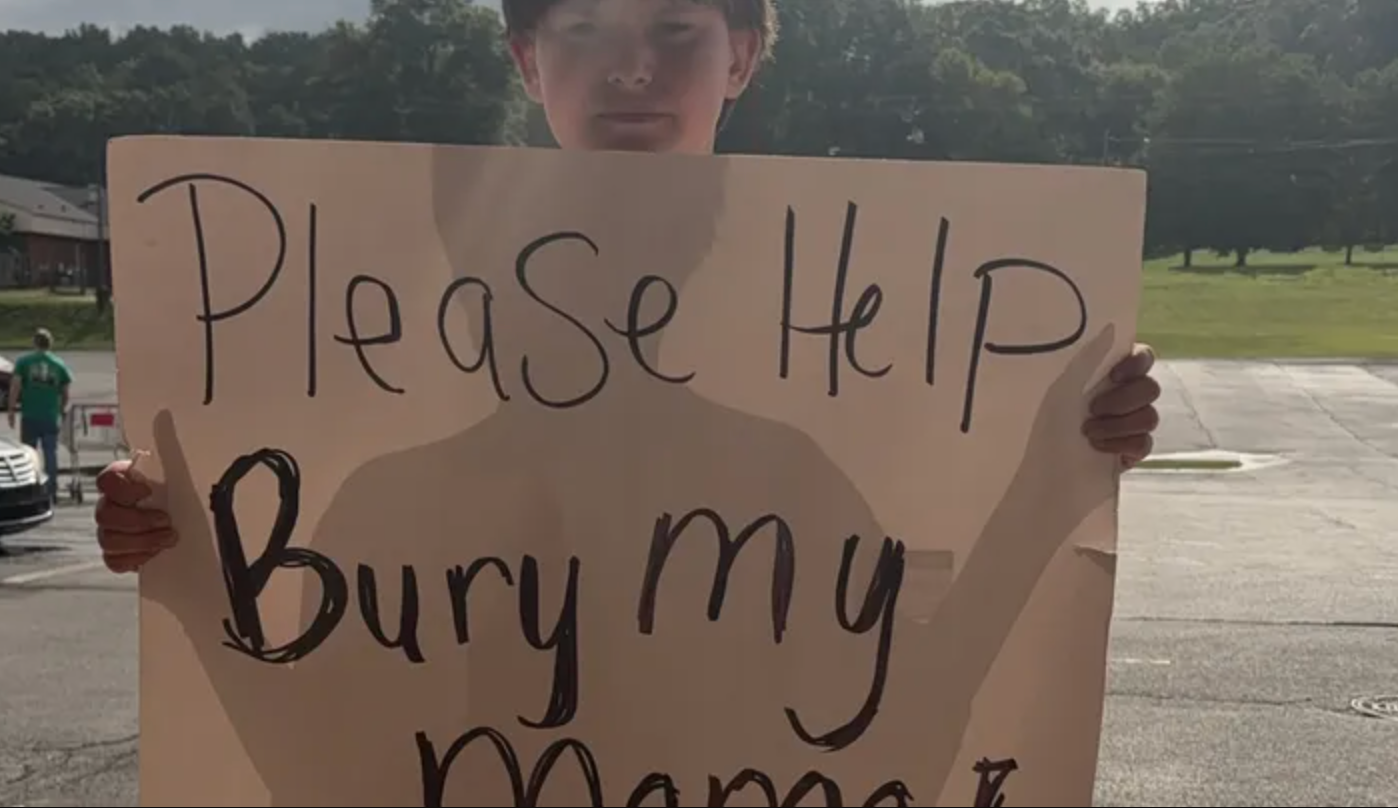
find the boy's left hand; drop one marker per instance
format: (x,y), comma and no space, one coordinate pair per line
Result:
(1123,416)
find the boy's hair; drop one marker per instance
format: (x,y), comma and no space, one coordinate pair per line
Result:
(523,16)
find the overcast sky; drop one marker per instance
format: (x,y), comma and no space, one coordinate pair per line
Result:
(248,16)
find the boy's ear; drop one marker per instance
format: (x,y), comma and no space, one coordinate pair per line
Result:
(523,53)
(747,48)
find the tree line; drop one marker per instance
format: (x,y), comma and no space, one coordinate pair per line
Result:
(1265,124)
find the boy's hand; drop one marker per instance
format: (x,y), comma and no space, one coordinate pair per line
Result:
(129,534)
(1123,416)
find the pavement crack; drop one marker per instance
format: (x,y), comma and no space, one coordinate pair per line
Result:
(1234,701)
(26,771)
(1334,520)
(1382,625)
(1193,411)
(1334,419)
(89,746)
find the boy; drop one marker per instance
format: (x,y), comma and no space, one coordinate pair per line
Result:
(637,75)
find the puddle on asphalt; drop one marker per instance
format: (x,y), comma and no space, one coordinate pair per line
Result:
(1211,461)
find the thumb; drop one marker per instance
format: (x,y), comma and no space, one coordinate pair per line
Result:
(179,487)
(1084,366)
(1064,399)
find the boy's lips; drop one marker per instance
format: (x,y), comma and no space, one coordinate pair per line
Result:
(633,117)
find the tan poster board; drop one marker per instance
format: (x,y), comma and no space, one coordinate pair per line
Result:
(530,478)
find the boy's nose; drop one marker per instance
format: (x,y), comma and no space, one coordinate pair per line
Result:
(633,66)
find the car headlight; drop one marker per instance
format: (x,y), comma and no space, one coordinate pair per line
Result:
(38,460)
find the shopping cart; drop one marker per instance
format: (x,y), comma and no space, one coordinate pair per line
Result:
(96,430)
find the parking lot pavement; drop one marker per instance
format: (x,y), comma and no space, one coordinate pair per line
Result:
(67,672)
(1253,609)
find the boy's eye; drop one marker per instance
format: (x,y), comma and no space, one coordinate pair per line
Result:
(580,29)
(676,29)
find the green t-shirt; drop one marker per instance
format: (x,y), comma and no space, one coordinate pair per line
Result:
(42,378)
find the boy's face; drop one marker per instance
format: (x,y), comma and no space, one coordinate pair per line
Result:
(635,75)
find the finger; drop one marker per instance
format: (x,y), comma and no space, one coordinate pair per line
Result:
(121,483)
(131,562)
(118,518)
(179,480)
(1134,395)
(1081,368)
(1134,424)
(1131,460)
(1132,450)
(1138,363)
(116,544)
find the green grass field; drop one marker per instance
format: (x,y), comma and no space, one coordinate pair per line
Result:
(73,319)
(1283,305)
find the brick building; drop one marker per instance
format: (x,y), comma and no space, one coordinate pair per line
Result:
(55,235)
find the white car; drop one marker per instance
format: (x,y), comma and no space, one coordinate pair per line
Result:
(24,499)
(7,372)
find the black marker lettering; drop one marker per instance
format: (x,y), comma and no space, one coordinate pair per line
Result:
(934,303)
(586,762)
(880,601)
(563,701)
(983,316)
(993,774)
(407,615)
(209,316)
(245,583)
(435,771)
(650,784)
(394,333)
(811,782)
(521,267)
(866,309)
(895,790)
(487,351)
(311,271)
(667,533)
(634,332)
(459,585)
(719,793)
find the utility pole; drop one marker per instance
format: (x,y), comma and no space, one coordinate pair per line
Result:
(104,279)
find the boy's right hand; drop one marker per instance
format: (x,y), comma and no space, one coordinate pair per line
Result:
(129,533)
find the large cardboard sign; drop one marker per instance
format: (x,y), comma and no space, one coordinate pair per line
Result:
(536,478)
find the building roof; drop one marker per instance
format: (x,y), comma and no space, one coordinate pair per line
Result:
(49,209)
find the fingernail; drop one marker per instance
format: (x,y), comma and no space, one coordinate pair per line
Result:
(133,470)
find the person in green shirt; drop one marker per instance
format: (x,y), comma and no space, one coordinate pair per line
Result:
(39,391)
